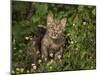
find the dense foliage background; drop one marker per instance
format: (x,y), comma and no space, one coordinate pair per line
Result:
(79,54)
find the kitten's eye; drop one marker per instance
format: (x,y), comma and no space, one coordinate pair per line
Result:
(50,26)
(59,32)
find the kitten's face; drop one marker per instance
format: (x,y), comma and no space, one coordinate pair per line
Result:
(55,27)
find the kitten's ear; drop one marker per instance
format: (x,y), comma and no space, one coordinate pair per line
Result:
(50,18)
(63,22)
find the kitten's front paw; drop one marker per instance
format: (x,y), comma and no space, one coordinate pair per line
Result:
(34,66)
(58,58)
(51,55)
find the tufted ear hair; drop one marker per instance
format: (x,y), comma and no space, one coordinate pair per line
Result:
(63,21)
(49,18)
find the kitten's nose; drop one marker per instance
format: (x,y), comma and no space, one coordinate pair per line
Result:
(55,34)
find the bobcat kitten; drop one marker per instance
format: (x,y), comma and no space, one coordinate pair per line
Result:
(53,40)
